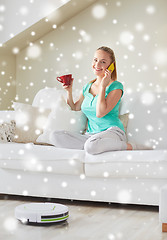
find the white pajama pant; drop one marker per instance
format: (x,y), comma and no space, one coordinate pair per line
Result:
(112,139)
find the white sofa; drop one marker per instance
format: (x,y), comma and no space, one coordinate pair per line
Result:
(133,177)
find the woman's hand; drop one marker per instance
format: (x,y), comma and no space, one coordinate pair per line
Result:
(68,88)
(106,79)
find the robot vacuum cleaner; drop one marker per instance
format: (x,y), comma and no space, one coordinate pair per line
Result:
(41,213)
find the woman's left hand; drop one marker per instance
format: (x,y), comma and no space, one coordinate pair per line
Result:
(106,79)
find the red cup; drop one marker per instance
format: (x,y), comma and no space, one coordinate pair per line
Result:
(65,79)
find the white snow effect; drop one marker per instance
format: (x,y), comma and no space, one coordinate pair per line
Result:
(99,11)
(18,176)
(22,118)
(34,51)
(51,45)
(131,47)
(40,121)
(24,23)
(106,174)
(26,128)
(149,128)
(146,37)
(111,236)
(126,37)
(38,132)
(25,192)
(31,163)
(2,8)
(160,57)
(93,193)
(150,9)
(164,110)
(10,224)
(139,26)
(54,26)
(129,156)
(21,152)
(82,176)
(125,57)
(49,169)
(24,10)
(77,66)
(115,21)
(72,121)
(45,180)
(124,196)
(72,162)
(15,50)
(33,33)
(24,68)
(64,184)
(147,98)
(74,28)
(85,36)
(78,55)
(118,4)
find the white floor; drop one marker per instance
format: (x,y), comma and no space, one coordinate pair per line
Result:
(87,221)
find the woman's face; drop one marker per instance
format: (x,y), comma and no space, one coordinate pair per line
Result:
(101,61)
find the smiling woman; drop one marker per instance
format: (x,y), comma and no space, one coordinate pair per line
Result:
(99,101)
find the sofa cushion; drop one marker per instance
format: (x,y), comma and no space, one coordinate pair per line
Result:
(37,158)
(47,97)
(6,116)
(29,122)
(127,164)
(124,119)
(63,118)
(147,118)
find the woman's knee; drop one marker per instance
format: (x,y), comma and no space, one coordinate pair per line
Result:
(91,145)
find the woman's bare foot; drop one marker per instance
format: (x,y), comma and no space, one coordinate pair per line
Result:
(129,146)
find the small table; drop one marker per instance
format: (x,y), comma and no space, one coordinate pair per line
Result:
(163,208)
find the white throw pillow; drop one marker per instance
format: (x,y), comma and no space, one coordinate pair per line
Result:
(29,122)
(63,118)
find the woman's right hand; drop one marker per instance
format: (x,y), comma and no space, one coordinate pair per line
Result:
(68,87)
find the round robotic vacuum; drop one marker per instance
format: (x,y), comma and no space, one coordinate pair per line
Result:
(41,213)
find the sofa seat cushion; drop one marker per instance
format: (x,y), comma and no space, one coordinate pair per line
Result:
(127,164)
(38,158)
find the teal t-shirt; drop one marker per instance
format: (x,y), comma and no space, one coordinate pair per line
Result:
(88,107)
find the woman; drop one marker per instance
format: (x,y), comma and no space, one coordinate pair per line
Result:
(99,101)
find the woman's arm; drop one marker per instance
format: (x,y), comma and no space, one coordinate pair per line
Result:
(105,105)
(74,106)
(77,105)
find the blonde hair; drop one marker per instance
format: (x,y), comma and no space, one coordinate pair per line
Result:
(112,56)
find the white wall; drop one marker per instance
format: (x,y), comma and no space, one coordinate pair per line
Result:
(136,30)
(18,15)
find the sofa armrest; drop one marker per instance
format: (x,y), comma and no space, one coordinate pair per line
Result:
(6,116)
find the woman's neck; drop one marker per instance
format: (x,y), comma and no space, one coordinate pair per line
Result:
(98,80)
